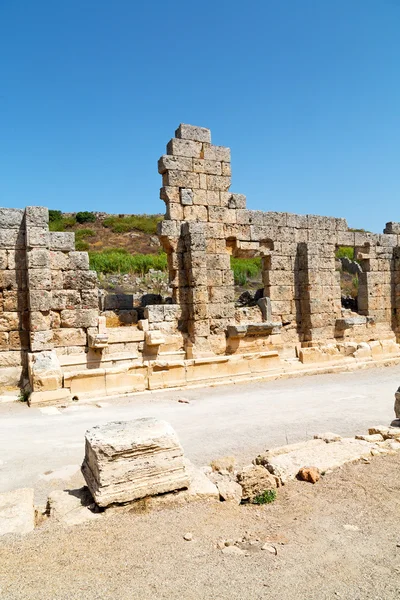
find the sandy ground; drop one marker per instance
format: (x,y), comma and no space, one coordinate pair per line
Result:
(242,420)
(336,539)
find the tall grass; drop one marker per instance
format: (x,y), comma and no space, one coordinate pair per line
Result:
(244,269)
(118,260)
(145,223)
(62,223)
(345,252)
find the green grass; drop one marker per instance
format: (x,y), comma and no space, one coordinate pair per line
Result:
(145,223)
(245,268)
(266,497)
(61,224)
(80,234)
(118,260)
(345,252)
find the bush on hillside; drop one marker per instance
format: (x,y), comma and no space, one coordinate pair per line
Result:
(145,223)
(85,217)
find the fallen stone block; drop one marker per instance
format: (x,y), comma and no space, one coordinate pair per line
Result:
(323,456)
(254,480)
(376,437)
(17,512)
(386,432)
(229,490)
(128,460)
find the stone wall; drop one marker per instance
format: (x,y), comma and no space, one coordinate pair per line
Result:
(59,344)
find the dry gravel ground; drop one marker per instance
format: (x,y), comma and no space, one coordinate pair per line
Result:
(336,539)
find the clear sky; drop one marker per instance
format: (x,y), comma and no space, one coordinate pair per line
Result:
(305,92)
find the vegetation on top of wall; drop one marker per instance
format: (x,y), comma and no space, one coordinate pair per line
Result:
(244,269)
(118,260)
(145,223)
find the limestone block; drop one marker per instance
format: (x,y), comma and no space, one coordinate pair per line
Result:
(177,163)
(186,196)
(11,218)
(59,260)
(183,179)
(218,153)
(3,259)
(45,373)
(62,299)
(210,167)
(128,460)
(192,132)
(79,280)
(188,148)
(154,338)
(174,212)
(169,194)
(61,240)
(12,238)
(3,341)
(36,216)
(90,299)
(220,214)
(39,300)
(39,279)
(40,321)
(37,237)
(195,213)
(124,334)
(229,490)
(218,183)
(41,340)
(226,170)
(10,359)
(79,318)
(18,340)
(14,300)
(38,258)
(69,337)
(17,512)
(9,321)
(78,260)
(49,398)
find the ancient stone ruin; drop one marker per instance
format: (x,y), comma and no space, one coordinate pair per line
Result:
(57,343)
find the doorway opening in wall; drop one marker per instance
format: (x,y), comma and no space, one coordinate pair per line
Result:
(350,274)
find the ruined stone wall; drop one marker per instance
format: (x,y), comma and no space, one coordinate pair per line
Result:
(56,343)
(205,223)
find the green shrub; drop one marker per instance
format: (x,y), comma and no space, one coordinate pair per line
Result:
(145,223)
(345,252)
(81,246)
(120,261)
(85,217)
(266,497)
(245,268)
(54,215)
(80,234)
(61,223)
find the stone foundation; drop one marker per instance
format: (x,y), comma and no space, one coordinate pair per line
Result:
(58,342)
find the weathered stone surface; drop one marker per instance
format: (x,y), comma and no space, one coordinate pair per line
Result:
(192,132)
(128,460)
(328,437)
(45,372)
(229,490)
(17,512)
(70,507)
(61,240)
(36,216)
(324,457)
(254,480)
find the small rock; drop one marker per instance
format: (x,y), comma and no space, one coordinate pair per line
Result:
(269,548)
(233,550)
(310,474)
(328,437)
(398,545)
(188,537)
(226,463)
(183,401)
(229,490)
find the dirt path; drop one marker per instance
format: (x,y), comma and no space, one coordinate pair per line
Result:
(337,539)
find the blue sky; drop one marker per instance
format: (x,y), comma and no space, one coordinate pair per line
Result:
(305,92)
